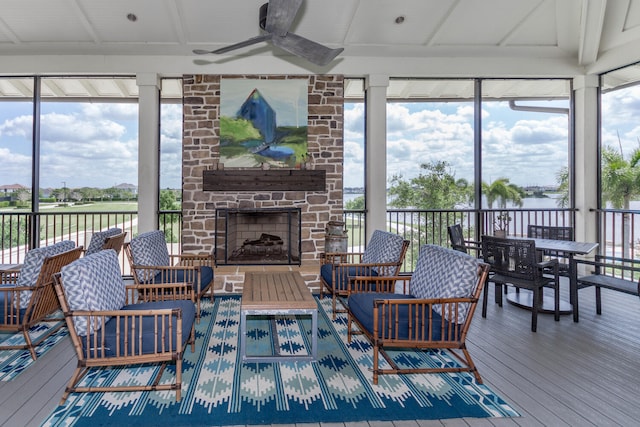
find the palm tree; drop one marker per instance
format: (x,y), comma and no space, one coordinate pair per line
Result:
(621,184)
(502,191)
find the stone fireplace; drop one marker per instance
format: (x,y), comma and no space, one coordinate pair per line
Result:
(317,206)
(257,236)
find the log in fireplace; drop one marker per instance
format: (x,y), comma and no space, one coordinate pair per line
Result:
(258,236)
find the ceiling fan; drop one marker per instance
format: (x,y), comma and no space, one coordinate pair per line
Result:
(276,17)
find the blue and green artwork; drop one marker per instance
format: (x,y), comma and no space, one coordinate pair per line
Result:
(263,122)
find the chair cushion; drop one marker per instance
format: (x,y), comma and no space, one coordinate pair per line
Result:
(206,276)
(361,307)
(150,249)
(98,238)
(384,247)
(32,265)
(93,283)
(343,274)
(149,335)
(444,273)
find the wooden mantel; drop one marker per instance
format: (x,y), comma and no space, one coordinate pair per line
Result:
(264,180)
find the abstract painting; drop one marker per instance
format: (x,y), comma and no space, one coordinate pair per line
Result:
(263,123)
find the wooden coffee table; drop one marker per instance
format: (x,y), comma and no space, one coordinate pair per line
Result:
(273,294)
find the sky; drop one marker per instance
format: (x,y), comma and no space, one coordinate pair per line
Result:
(95,145)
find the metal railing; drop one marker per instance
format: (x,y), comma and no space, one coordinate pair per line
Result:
(430,226)
(53,227)
(417,226)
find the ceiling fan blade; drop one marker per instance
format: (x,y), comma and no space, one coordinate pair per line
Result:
(305,48)
(239,45)
(280,15)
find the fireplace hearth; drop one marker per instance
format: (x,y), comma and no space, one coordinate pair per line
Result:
(258,236)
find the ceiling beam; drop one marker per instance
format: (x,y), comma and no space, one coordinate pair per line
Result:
(591,26)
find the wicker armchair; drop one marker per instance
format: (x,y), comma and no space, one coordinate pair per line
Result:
(435,313)
(516,262)
(107,239)
(383,257)
(27,296)
(107,328)
(151,263)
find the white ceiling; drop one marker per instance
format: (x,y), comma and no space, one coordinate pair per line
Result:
(438,37)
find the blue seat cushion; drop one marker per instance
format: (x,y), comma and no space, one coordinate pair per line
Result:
(343,274)
(8,303)
(361,307)
(149,336)
(206,276)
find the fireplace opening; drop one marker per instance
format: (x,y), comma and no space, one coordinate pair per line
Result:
(258,236)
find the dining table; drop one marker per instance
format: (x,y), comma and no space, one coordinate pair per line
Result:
(524,298)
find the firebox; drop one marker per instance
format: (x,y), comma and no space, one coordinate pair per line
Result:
(258,236)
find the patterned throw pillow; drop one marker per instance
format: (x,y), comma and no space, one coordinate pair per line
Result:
(444,273)
(149,248)
(93,283)
(384,247)
(32,265)
(98,238)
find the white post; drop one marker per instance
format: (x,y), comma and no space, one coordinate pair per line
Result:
(376,153)
(148,150)
(586,159)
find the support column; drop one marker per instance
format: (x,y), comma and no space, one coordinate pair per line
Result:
(586,156)
(148,150)
(376,153)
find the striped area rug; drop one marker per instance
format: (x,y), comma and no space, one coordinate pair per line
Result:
(220,390)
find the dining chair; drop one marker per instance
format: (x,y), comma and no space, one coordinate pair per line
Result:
(459,243)
(516,262)
(553,233)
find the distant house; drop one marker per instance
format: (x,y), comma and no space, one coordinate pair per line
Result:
(12,188)
(133,189)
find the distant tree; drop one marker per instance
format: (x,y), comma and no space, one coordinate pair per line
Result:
(620,185)
(562,178)
(356,204)
(168,202)
(436,188)
(502,191)
(23,196)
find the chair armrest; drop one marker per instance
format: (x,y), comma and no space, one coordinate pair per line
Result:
(126,338)
(145,274)
(9,276)
(196,260)
(418,323)
(609,262)
(341,257)
(159,292)
(377,283)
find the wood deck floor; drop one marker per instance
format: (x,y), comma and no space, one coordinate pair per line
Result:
(566,374)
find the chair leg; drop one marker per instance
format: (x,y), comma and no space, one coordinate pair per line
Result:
(534,309)
(485,297)
(556,307)
(598,300)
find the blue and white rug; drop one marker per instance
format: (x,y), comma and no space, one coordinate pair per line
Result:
(217,389)
(14,362)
